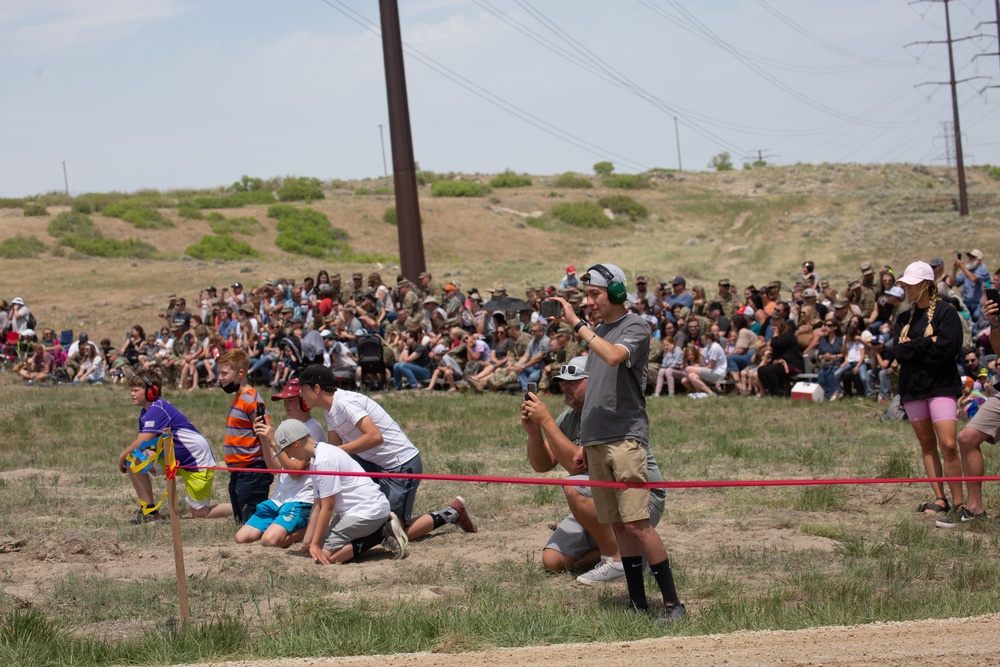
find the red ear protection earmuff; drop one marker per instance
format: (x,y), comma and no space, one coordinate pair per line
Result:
(152,391)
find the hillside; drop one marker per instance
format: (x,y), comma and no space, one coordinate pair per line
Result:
(751,226)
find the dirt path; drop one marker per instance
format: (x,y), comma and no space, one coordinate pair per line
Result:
(937,642)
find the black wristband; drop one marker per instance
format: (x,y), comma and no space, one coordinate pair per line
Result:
(579,325)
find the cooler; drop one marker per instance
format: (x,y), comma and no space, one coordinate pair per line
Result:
(807,391)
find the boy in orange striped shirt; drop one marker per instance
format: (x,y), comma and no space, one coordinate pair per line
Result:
(247,488)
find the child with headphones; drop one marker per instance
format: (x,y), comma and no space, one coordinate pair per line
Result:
(281,521)
(144,455)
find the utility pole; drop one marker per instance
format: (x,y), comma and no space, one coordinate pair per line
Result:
(677,136)
(411,240)
(761,159)
(952,83)
(381,138)
(65,178)
(997,22)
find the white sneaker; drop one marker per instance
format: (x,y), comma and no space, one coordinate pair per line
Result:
(607,570)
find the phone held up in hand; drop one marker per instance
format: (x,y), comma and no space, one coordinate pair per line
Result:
(551,309)
(993,294)
(261,410)
(532,388)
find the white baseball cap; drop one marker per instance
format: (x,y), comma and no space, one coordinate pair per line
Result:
(916,273)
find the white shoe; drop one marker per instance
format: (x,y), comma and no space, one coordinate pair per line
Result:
(607,570)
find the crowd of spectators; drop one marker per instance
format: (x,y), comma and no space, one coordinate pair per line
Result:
(428,335)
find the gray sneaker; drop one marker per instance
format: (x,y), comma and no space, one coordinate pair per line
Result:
(394,541)
(605,571)
(670,614)
(958,517)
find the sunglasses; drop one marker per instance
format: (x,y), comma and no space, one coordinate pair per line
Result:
(571,369)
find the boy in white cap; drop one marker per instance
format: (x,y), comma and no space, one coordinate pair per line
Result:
(350,515)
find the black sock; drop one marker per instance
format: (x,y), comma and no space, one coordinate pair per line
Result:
(633,578)
(665,578)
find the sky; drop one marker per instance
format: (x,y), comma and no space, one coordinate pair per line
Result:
(172,94)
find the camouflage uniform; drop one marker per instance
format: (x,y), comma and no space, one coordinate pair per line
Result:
(557,357)
(653,365)
(506,375)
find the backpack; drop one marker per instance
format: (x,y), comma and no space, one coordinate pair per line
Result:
(31,321)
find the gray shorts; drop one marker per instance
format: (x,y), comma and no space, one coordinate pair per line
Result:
(572,539)
(987,420)
(345,529)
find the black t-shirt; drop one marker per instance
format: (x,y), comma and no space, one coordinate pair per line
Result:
(423,359)
(183,320)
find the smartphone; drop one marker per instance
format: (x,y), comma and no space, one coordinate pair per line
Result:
(958,255)
(531,389)
(551,309)
(261,410)
(993,294)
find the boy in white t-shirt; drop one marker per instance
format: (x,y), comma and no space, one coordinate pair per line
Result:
(281,520)
(363,429)
(350,515)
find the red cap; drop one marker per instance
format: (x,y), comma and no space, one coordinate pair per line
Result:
(570,269)
(291,390)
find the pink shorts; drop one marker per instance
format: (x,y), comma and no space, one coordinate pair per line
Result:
(937,409)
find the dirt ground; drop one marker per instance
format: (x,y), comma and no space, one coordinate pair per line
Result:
(965,641)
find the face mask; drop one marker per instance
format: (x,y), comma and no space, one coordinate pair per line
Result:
(233,386)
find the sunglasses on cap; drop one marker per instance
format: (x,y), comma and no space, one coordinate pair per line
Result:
(571,369)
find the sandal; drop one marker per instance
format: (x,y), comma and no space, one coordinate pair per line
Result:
(935,506)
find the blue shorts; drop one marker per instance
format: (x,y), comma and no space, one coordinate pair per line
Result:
(291,515)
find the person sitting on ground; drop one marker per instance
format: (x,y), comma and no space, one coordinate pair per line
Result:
(91,367)
(580,541)
(350,515)
(144,455)
(38,366)
(281,520)
(700,379)
(362,428)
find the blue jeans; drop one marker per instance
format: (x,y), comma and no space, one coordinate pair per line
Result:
(828,381)
(884,388)
(737,362)
(414,374)
(263,364)
(529,375)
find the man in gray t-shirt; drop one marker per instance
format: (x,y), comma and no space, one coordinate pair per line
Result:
(615,430)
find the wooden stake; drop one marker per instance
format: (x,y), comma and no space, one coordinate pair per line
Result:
(175,526)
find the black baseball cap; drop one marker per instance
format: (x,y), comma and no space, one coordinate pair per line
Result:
(317,374)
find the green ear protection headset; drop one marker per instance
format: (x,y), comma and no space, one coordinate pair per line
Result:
(617,292)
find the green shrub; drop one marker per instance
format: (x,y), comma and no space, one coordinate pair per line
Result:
(8,202)
(300,188)
(304,231)
(190,212)
(233,200)
(390,216)
(584,214)
(459,189)
(573,180)
(604,168)
(221,247)
(248,184)
(34,209)
(101,247)
(21,247)
(82,206)
(72,223)
(54,198)
(379,190)
(247,226)
(626,181)
(721,162)
(624,205)
(425,177)
(508,179)
(138,213)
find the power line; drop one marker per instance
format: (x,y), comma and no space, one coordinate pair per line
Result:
(485,94)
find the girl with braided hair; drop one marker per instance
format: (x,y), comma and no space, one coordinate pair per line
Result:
(928,341)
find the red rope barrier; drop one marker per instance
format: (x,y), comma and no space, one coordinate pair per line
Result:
(547,481)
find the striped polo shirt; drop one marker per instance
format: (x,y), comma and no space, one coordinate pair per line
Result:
(242,446)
